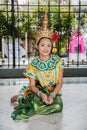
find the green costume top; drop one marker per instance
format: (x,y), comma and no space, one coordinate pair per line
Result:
(46,72)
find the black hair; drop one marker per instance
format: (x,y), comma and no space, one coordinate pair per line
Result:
(43,38)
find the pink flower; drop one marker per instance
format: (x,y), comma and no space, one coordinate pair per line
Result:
(55,36)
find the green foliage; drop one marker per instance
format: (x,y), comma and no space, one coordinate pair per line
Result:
(6,25)
(2,24)
(6,1)
(62,22)
(59,21)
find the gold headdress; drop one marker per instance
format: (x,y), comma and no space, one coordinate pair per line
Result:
(44,31)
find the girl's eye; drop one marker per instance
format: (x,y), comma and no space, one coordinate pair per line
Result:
(42,44)
(49,45)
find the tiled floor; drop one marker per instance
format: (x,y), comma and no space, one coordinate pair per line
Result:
(73,117)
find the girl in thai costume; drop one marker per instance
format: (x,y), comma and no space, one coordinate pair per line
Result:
(45,74)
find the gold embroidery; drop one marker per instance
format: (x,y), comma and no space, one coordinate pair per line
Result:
(50,88)
(48,75)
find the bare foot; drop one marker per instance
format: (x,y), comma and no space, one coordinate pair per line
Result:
(15,97)
(15,105)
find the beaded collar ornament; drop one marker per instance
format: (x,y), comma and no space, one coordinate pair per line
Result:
(45,31)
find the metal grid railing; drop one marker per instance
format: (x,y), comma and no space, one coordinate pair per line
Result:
(19,23)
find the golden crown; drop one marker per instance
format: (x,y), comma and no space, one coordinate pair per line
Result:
(44,31)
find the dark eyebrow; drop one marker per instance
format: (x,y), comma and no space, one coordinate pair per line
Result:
(42,43)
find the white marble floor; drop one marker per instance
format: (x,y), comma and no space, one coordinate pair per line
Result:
(73,117)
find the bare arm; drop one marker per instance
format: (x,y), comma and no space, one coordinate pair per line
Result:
(33,86)
(34,89)
(60,82)
(58,86)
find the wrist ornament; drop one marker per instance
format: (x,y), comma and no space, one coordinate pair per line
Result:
(39,92)
(52,94)
(19,97)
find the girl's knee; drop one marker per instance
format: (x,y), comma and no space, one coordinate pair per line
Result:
(59,107)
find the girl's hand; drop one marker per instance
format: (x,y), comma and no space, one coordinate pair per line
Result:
(44,98)
(50,99)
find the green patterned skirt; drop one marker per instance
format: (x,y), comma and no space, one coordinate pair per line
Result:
(32,104)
